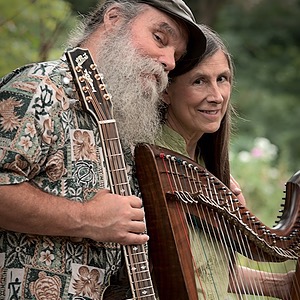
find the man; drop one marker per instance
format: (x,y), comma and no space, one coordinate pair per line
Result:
(62,228)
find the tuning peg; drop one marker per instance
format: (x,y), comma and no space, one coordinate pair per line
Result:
(107,96)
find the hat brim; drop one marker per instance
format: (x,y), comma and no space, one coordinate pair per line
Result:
(197,41)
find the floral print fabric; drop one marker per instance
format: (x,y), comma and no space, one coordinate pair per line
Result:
(48,140)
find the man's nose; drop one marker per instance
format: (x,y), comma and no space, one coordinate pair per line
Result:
(167,59)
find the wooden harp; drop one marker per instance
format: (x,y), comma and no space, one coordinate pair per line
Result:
(173,187)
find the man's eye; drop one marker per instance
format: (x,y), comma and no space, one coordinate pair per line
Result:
(159,38)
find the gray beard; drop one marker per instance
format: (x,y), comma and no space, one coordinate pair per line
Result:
(135,97)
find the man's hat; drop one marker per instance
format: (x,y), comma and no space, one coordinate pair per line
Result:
(197,41)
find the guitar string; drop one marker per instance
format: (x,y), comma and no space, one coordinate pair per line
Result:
(118,172)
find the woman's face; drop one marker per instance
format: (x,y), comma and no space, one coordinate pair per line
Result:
(198,99)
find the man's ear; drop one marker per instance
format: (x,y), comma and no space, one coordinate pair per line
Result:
(112,17)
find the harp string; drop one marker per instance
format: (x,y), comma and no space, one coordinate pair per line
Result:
(206,238)
(185,182)
(175,185)
(181,181)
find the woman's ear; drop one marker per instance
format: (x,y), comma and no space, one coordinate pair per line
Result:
(112,17)
(166,97)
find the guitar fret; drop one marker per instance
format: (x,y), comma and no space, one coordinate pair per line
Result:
(109,121)
(118,170)
(139,276)
(116,155)
(121,184)
(114,139)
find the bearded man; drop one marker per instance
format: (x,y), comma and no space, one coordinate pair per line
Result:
(61,226)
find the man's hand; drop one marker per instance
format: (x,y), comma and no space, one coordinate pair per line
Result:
(114,218)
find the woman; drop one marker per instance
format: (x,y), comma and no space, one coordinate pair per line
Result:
(196,114)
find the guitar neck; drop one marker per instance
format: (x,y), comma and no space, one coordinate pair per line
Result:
(135,255)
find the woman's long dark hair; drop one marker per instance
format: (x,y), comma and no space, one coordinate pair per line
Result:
(213,148)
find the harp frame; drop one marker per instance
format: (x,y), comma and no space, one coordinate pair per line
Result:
(170,254)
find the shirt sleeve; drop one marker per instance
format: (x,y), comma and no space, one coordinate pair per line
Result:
(25,125)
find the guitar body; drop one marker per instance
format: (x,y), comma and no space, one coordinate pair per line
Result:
(174,187)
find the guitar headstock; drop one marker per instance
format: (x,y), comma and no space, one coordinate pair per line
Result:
(89,83)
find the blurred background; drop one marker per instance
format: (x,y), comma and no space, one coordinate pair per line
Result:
(263,37)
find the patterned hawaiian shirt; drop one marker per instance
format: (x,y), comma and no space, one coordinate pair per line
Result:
(48,140)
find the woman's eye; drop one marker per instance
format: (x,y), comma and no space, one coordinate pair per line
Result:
(223,78)
(199,81)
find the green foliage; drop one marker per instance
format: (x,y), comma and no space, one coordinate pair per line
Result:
(262,179)
(83,7)
(264,38)
(32,31)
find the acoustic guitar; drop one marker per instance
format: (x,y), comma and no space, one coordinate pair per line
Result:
(97,101)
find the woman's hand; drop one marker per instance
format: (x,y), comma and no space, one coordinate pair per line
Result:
(236,189)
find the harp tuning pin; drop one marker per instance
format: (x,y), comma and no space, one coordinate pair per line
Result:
(246,213)
(161,155)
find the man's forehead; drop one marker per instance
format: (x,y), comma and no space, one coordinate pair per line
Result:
(176,30)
